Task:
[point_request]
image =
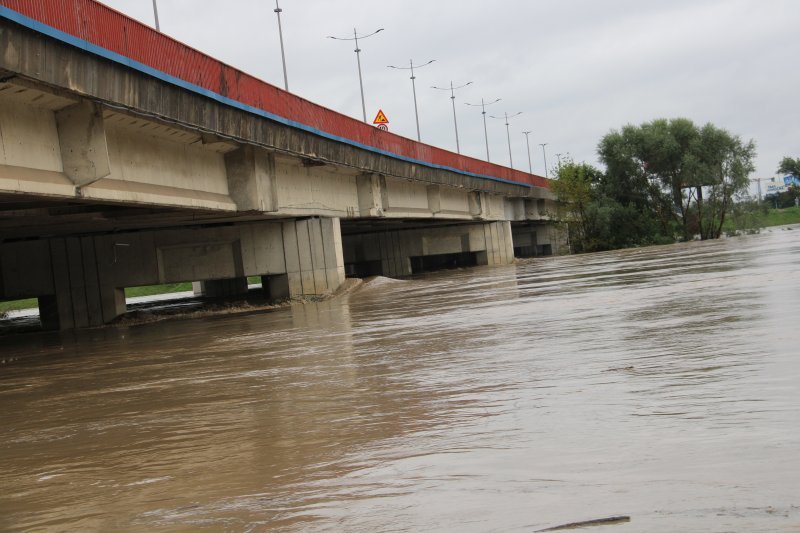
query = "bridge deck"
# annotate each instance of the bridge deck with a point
(105, 32)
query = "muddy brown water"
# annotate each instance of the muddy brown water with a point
(661, 384)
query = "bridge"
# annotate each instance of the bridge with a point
(128, 158)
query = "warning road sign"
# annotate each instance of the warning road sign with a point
(380, 118)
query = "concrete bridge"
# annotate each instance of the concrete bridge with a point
(128, 159)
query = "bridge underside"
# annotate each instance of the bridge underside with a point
(111, 179)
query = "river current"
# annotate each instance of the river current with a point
(660, 384)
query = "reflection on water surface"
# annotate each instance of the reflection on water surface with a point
(658, 383)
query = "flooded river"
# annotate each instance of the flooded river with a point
(661, 384)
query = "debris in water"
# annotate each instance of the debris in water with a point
(590, 523)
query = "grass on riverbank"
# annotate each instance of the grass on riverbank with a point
(782, 217)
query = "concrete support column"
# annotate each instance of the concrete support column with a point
(402, 253)
(498, 244)
(313, 253)
(540, 239)
(395, 253)
(80, 299)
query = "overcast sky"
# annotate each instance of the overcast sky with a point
(576, 69)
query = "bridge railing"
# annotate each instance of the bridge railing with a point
(102, 30)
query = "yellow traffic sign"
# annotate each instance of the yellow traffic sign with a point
(380, 118)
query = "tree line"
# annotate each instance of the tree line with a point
(664, 181)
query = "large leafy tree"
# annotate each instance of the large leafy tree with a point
(596, 220)
(790, 166)
(678, 171)
(575, 188)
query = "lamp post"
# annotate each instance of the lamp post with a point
(414, 87)
(453, 100)
(358, 60)
(483, 105)
(758, 180)
(280, 36)
(155, 14)
(528, 144)
(508, 134)
(544, 154)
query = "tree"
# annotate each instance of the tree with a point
(574, 188)
(790, 166)
(680, 172)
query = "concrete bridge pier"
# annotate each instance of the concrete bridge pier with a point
(402, 252)
(80, 281)
(81, 295)
(535, 239)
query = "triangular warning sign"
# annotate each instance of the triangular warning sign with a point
(380, 118)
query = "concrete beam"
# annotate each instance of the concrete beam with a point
(55, 64)
(371, 190)
(82, 139)
(251, 179)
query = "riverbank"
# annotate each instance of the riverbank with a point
(782, 217)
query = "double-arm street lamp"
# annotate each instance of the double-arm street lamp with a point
(544, 155)
(483, 105)
(528, 144)
(508, 134)
(358, 59)
(414, 87)
(280, 36)
(453, 100)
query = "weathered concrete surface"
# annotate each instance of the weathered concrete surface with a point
(54, 64)
(57, 148)
(393, 253)
(110, 178)
(80, 280)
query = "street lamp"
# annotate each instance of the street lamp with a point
(414, 87)
(155, 14)
(508, 134)
(280, 36)
(758, 180)
(528, 144)
(483, 105)
(358, 59)
(453, 100)
(544, 154)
